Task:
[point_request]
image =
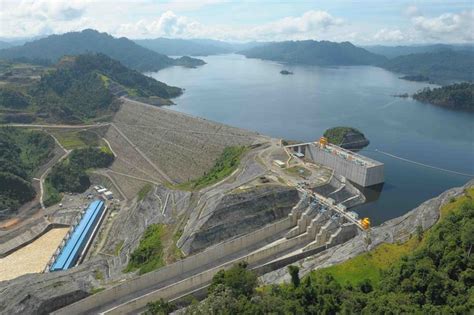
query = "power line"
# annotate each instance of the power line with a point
(424, 165)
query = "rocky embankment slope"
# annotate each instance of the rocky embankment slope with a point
(243, 212)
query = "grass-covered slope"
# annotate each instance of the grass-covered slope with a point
(21, 153)
(455, 96)
(227, 162)
(54, 47)
(82, 88)
(443, 66)
(323, 53)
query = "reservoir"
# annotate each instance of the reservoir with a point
(252, 94)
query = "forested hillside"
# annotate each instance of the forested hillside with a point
(395, 51)
(435, 278)
(21, 153)
(71, 176)
(82, 88)
(323, 53)
(446, 66)
(54, 47)
(455, 96)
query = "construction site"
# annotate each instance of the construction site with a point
(280, 205)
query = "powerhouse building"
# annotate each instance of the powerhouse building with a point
(79, 237)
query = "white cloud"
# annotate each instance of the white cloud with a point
(307, 25)
(152, 18)
(38, 17)
(412, 11)
(385, 35)
(311, 24)
(447, 26)
(189, 5)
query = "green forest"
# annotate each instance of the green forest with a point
(455, 96)
(443, 66)
(70, 175)
(322, 53)
(80, 88)
(51, 49)
(21, 153)
(337, 135)
(435, 278)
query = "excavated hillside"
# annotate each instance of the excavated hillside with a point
(243, 212)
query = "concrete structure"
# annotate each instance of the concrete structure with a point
(108, 195)
(279, 163)
(299, 155)
(355, 167)
(79, 238)
(312, 226)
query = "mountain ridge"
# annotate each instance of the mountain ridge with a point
(53, 47)
(310, 52)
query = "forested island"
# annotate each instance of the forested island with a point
(456, 96)
(346, 137)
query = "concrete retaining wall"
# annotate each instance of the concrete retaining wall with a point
(176, 269)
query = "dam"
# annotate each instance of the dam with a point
(355, 167)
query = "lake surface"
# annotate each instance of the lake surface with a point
(252, 94)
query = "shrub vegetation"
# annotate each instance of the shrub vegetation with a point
(227, 162)
(148, 256)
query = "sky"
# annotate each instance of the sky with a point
(364, 22)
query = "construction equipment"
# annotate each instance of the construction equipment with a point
(365, 223)
(323, 141)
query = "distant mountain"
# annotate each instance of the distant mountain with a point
(53, 47)
(231, 46)
(194, 47)
(323, 53)
(395, 51)
(83, 87)
(180, 47)
(5, 45)
(446, 66)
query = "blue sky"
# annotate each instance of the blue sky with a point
(362, 22)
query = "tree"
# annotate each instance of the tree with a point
(295, 277)
(160, 307)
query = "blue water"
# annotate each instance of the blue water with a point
(252, 94)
